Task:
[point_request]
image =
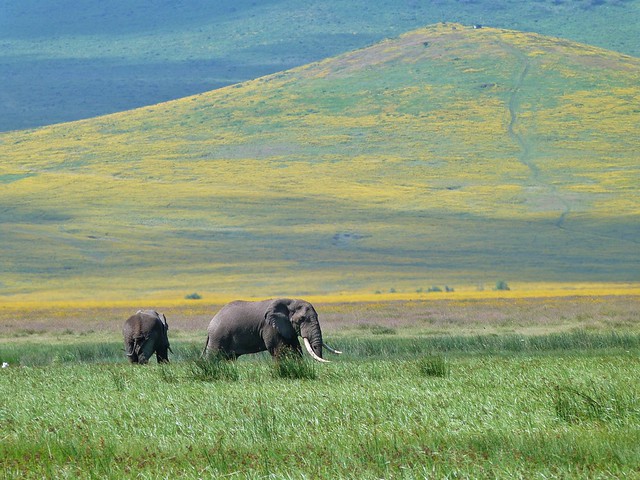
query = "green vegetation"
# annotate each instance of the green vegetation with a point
(565, 414)
(213, 368)
(389, 346)
(487, 154)
(433, 366)
(595, 401)
(506, 388)
(293, 367)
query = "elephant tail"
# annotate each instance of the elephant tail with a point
(206, 344)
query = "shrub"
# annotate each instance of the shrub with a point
(596, 402)
(377, 329)
(213, 367)
(193, 296)
(120, 380)
(573, 405)
(433, 366)
(291, 365)
(382, 330)
(502, 285)
(167, 375)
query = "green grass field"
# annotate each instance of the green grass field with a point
(528, 388)
(554, 415)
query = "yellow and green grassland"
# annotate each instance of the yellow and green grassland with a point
(448, 156)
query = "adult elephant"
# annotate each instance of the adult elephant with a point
(146, 333)
(274, 325)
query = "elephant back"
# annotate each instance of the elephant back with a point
(149, 313)
(142, 324)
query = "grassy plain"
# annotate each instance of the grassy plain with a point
(447, 156)
(493, 388)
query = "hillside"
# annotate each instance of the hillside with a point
(448, 155)
(61, 62)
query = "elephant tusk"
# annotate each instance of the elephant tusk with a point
(332, 350)
(311, 352)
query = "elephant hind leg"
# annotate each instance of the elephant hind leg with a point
(218, 350)
(145, 350)
(162, 356)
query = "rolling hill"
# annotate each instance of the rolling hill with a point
(62, 62)
(448, 155)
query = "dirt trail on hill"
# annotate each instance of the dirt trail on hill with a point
(525, 156)
(537, 177)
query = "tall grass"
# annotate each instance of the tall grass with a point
(293, 367)
(568, 341)
(491, 417)
(433, 366)
(372, 347)
(599, 401)
(36, 354)
(212, 368)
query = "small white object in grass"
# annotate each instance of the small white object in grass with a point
(5, 364)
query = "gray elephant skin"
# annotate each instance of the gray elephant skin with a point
(274, 325)
(146, 333)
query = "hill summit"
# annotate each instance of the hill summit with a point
(450, 154)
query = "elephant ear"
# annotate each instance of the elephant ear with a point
(277, 315)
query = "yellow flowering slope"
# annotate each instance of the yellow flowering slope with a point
(450, 157)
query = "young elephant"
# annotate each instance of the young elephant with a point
(249, 327)
(146, 333)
